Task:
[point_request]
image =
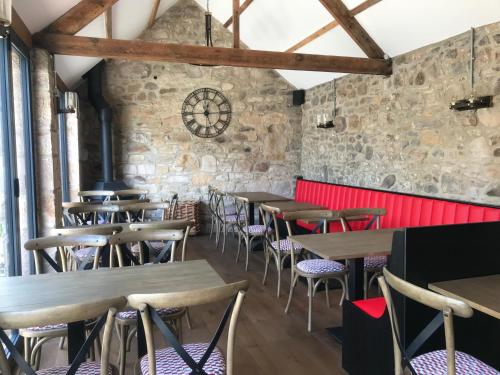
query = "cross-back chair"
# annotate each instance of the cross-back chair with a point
(96, 195)
(315, 271)
(103, 309)
(37, 335)
(439, 362)
(171, 212)
(277, 247)
(247, 233)
(212, 208)
(225, 216)
(127, 320)
(195, 358)
(370, 218)
(179, 224)
(135, 193)
(93, 214)
(79, 257)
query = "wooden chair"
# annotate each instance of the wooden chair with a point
(93, 214)
(127, 320)
(439, 362)
(372, 265)
(184, 225)
(226, 218)
(212, 208)
(37, 335)
(96, 195)
(135, 193)
(195, 358)
(88, 310)
(79, 257)
(246, 232)
(277, 247)
(315, 271)
(68, 220)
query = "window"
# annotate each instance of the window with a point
(17, 201)
(63, 150)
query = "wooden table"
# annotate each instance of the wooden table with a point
(350, 246)
(481, 293)
(253, 197)
(25, 293)
(292, 206)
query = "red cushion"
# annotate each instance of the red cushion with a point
(402, 210)
(375, 307)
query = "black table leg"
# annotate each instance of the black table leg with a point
(142, 348)
(355, 291)
(76, 339)
(251, 213)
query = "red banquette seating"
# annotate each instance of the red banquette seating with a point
(403, 210)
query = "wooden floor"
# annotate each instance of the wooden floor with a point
(268, 340)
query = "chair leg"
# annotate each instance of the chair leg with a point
(266, 255)
(278, 266)
(211, 226)
(310, 296)
(27, 350)
(224, 238)
(327, 293)
(61, 343)
(345, 291)
(248, 244)
(290, 295)
(239, 247)
(123, 348)
(188, 318)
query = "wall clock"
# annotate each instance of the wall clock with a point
(206, 113)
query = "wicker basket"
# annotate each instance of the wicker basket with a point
(190, 210)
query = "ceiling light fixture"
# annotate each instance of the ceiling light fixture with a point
(5, 16)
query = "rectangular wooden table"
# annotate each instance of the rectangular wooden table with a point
(253, 197)
(352, 247)
(25, 293)
(481, 293)
(292, 206)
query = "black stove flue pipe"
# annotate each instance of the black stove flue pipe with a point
(103, 109)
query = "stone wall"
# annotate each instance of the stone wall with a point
(48, 172)
(153, 149)
(398, 132)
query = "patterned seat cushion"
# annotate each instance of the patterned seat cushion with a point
(157, 247)
(48, 327)
(132, 314)
(86, 368)
(168, 361)
(256, 229)
(320, 266)
(286, 246)
(375, 262)
(233, 218)
(85, 253)
(434, 363)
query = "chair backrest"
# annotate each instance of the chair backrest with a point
(371, 215)
(241, 205)
(447, 306)
(142, 208)
(140, 193)
(184, 225)
(170, 236)
(147, 303)
(95, 195)
(102, 229)
(104, 308)
(321, 216)
(61, 242)
(125, 202)
(171, 213)
(91, 213)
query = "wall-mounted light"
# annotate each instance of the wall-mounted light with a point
(5, 16)
(70, 103)
(324, 121)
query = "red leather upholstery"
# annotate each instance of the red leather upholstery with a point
(375, 307)
(402, 210)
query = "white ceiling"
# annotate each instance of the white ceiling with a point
(398, 26)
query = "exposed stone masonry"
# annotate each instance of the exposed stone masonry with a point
(397, 132)
(153, 149)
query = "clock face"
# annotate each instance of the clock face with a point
(206, 113)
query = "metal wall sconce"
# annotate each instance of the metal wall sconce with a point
(70, 103)
(323, 122)
(473, 103)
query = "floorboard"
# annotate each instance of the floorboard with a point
(268, 340)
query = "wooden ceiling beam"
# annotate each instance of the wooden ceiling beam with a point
(21, 30)
(236, 23)
(154, 12)
(108, 23)
(79, 16)
(194, 54)
(332, 25)
(243, 7)
(351, 25)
